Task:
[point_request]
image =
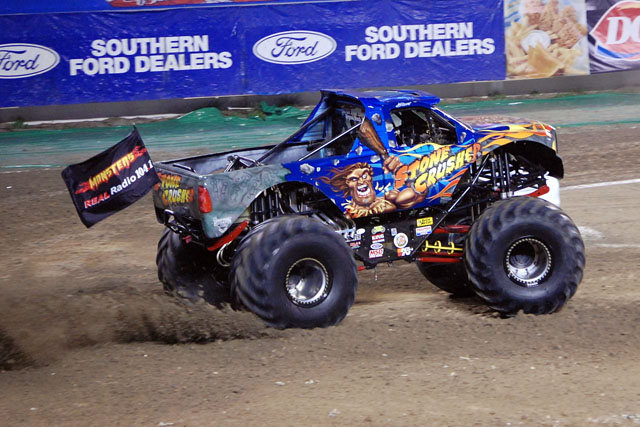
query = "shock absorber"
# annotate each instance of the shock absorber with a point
(507, 177)
(494, 182)
(501, 174)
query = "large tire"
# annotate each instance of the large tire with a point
(451, 278)
(294, 271)
(189, 271)
(524, 254)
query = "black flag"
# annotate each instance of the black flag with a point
(112, 180)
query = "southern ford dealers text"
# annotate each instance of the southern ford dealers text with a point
(151, 54)
(419, 41)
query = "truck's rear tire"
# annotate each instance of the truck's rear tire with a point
(189, 271)
(524, 254)
(294, 271)
(451, 278)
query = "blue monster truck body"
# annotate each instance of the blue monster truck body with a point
(390, 173)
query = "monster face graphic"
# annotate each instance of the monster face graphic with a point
(356, 181)
(360, 183)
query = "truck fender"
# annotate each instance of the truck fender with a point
(535, 152)
(232, 193)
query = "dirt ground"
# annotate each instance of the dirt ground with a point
(88, 338)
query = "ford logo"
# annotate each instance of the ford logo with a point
(294, 47)
(20, 60)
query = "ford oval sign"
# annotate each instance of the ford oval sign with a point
(294, 47)
(18, 60)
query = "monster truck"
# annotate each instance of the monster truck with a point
(370, 178)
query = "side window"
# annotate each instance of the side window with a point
(316, 132)
(345, 116)
(338, 116)
(413, 126)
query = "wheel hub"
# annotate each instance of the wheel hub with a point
(307, 282)
(528, 262)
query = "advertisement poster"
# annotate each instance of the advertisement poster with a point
(69, 58)
(546, 38)
(375, 44)
(614, 35)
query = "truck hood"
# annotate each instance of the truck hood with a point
(498, 123)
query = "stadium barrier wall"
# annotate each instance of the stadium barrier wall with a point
(115, 52)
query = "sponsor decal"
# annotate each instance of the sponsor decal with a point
(376, 253)
(354, 238)
(376, 246)
(423, 231)
(294, 47)
(421, 222)
(617, 33)
(20, 60)
(426, 171)
(404, 251)
(360, 231)
(170, 190)
(394, 231)
(350, 235)
(378, 229)
(377, 238)
(400, 240)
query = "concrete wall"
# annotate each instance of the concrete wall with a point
(597, 82)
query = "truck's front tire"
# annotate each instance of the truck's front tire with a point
(189, 271)
(524, 254)
(294, 271)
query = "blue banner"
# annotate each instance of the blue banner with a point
(41, 6)
(373, 44)
(87, 57)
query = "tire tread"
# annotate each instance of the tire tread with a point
(488, 228)
(249, 282)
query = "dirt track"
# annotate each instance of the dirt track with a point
(88, 338)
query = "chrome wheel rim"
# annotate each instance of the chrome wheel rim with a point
(307, 282)
(528, 262)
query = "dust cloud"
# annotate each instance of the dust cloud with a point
(37, 331)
